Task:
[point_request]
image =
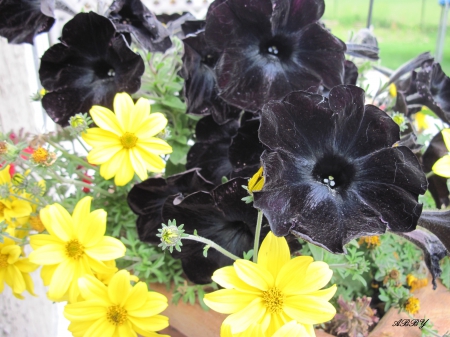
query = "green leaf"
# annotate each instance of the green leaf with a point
(179, 153)
(174, 102)
(445, 276)
(172, 168)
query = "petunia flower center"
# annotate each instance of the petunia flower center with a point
(116, 315)
(74, 249)
(273, 299)
(128, 140)
(103, 70)
(3, 261)
(209, 60)
(278, 46)
(334, 171)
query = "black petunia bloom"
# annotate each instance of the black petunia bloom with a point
(430, 87)
(269, 48)
(90, 65)
(131, 16)
(200, 81)
(332, 174)
(147, 199)
(437, 185)
(220, 216)
(22, 20)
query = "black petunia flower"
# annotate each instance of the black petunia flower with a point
(200, 81)
(147, 199)
(269, 48)
(90, 65)
(22, 20)
(220, 216)
(181, 24)
(332, 174)
(437, 185)
(131, 16)
(430, 87)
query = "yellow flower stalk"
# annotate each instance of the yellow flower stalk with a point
(75, 246)
(442, 166)
(116, 309)
(273, 291)
(125, 142)
(14, 269)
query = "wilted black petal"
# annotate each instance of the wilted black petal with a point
(437, 184)
(437, 222)
(22, 20)
(131, 16)
(181, 24)
(201, 96)
(89, 67)
(147, 198)
(350, 72)
(432, 248)
(364, 44)
(270, 48)
(332, 173)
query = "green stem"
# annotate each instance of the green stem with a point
(82, 144)
(212, 244)
(26, 199)
(429, 174)
(257, 235)
(343, 265)
(72, 157)
(79, 183)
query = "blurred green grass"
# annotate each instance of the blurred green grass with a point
(404, 28)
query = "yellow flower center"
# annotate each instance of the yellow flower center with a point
(40, 155)
(116, 315)
(128, 140)
(273, 300)
(412, 305)
(3, 261)
(74, 249)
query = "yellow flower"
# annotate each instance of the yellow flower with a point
(421, 121)
(273, 291)
(118, 309)
(412, 305)
(442, 166)
(256, 183)
(75, 246)
(371, 241)
(124, 142)
(393, 90)
(291, 329)
(415, 283)
(14, 269)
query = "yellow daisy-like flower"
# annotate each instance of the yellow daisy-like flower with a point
(74, 247)
(118, 310)
(256, 183)
(291, 329)
(124, 142)
(273, 291)
(412, 305)
(14, 269)
(442, 166)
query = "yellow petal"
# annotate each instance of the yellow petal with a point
(19, 208)
(57, 221)
(148, 309)
(5, 177)
(100, 267)
(81, 211)
(25, 266)
(317, 276)
(85, 310)
(125, 330)
(291, 273)
(101, 155)
(446, 136)
(273, 254)
(291, 329)
(125, 172)
(241, 320)
(140, 112)
(13, 253)
(14, 278)
(308, 309)
(61, 280)
(153, 162)
(92, 289)
(137, 297)
(92, 228)
(324, 294)
(123, 107)
(2, 279)
(138, 163)
(48, 254)
(47, 273)
(106, 119)
(110, 168)
(97, 137)
(40, 240)
(228, 278)
(119, 287)
(100, 328)
(149, 324)
(253, 274)
(29, 284)
(108, 248)
(442, 166)
(154, 145)
(152, 125)
(228, 301)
